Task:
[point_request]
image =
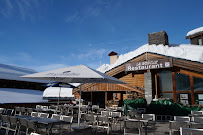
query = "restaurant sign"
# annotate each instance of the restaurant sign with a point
(150, 64)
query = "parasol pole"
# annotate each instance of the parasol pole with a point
(59, 94)
(79, 106)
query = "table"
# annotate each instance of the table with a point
(46, 121)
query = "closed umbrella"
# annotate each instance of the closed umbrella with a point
(59, 84)
(75, 74)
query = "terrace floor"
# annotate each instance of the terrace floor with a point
(161, 128)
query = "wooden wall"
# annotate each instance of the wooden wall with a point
(134, 79)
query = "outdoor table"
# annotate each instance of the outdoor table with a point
(144, 122)
(46, 121)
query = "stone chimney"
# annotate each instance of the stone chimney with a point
(113, 57)
(157, 38)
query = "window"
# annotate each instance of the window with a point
(182, 82)
(165, 81)
(200, 41)
(198, 83)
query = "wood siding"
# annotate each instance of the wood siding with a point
(134, 79)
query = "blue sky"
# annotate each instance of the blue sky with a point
(50, 34)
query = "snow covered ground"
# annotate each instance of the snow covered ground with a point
(11, 95)
(184, 51)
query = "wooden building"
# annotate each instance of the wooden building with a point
(154, 75)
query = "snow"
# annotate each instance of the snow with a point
(197, 30)
(54, 92)
(184, 51)
(11, 95)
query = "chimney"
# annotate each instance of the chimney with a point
(157, 38)
(113, 57)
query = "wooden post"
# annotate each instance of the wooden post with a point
(192, 90)
(156, 86)
(174, 87)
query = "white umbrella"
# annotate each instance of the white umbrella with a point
(75, 74)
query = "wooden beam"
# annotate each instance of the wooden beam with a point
(174, 87)
(156, 86)
(192, 90)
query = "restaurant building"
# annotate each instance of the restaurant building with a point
(155, 70)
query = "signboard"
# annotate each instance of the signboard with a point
(183, 96)
(151, 64)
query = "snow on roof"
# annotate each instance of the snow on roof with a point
(11, 95)
(11, 72)
(195, 31)
(54, 92)
(184, 51)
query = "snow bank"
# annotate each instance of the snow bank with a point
(11, 95)
(197, 30)
(54, 92)
(184, 51)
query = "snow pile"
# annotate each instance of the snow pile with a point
(184, 51)
(54, 92)
(11, 95)
(192, 32)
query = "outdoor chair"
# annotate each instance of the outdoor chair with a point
(68, 120)
(23, 126)
(197, 112)
(141, 110)
(190, 131)
(181, 118)
(116, 118)
(56, 116)
(151, 122)
(133, 114)
(197, 125)
(34, 134)
(43, 115)
(197, 119)
(83, 111)
(94, 108)
(90, 120)
(9, 112)
(132, 127)
(4, 123)
(33, 126)
(2, 110)
(174, 126)
(106, 113)
(13, 125)
(38, 106)
(17, 111)
(70, 110)
(103, 123)
(44, 107)
(35, 114)
(99, 110)
(29, 111)
(22, 111)
(110, 109)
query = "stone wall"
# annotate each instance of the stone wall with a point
(148, 87)
(158, 38)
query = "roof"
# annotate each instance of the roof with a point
(195, 32)
(182, 51)
(112, 53)
(11, 95)
(10, 72)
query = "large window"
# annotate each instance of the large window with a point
(198, 83)
(182, 82)
(165, 81)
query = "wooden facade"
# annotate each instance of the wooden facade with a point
(136, 79)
